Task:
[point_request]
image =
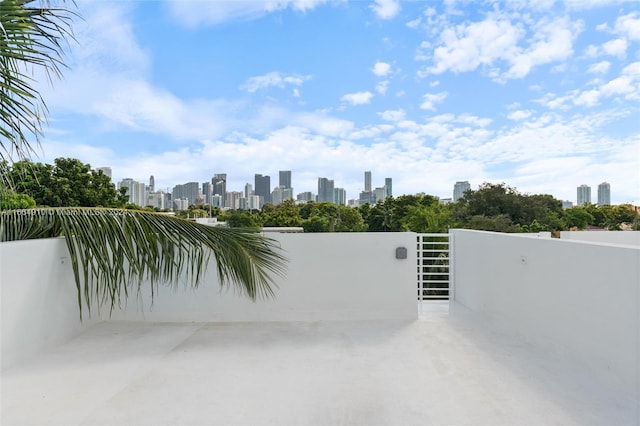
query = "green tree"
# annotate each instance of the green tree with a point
(284, 214)
(9, 200)
(578, 217)
(66, 183)
(112, 250)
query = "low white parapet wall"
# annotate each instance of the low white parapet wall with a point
(609, 237)
(336, 276)
(581, 300)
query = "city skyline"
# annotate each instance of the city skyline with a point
(540, 95)
(583, 194)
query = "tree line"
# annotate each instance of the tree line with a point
(492, 207)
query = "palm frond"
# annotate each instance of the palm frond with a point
(32, 37)
(114, 251)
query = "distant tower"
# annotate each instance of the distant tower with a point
(604, 194)
(105, 170)
(367, 181)
(152, 184)
(285, 178)
(262, 187)
(339, 196)
(584, 195)
(248, 190)
(388, 187)
(219, 182)
(459, 189)
(325, 190)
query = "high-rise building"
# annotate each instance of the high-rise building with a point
(325, 190)
(604, 194)
(137, 191)
(584, 195)
(303, 197)
(152, 184)
(157, 199)
(233, 199)
(367, 181)
(285, 179)
(566, 204)
(248, 190)
(219, 182)
(388, 187)
(106, 170)
(262, 185)
(207, 192)
(459, 189)
(339, 196)
(379, 194)
(188, 191)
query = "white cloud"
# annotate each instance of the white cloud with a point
(381, 69)
(392, 115)
(629, 25)
(195, 13)
(497, 40)
(275, 79)
(429, 100)
(382, 87)
(601, 67)
(617, 47)
(519, 115)
(386, 9)
(358, 98)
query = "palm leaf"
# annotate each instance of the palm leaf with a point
(114, 251)
(32, 37)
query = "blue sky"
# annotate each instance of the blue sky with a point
(541, 95)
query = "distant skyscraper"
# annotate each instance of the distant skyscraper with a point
(105, 170)
(604, 194)
(152, 184)
(219, 182)
(459, 189)
(285, 178)
(566, 204)
(188, 191)
(305, 196)
(388, 187)
(325, 190)
(207, 192)
(233, 199)
(263, 187)
(339, 196)
(248, 190)
(137, 191)
(584, 195)
(367, 181)
(379, 194)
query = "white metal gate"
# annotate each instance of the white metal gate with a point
(433, 267)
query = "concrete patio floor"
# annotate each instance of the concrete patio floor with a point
(448, 367)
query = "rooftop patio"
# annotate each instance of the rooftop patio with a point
(464, 362)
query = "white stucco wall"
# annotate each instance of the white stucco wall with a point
(610, 237)
(38, 297)
(330, 277)
(581, 300)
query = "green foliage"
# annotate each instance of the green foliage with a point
(284, 214)
(498, 207)
(9, 200)
(329, 217)
(32, 40)
(578, 217)
(113, 251)
(66, 183)
(241, 219)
